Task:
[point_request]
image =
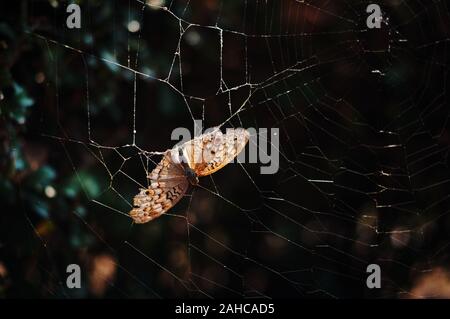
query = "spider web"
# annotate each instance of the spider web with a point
(363, 127)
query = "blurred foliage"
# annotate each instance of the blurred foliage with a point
(35, 193)
(46, 185)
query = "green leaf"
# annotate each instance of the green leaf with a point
(18, 159)
(92, 187)
(42, 177)
(24, 100)
(110, 61)
(83, 181)
(38, 205)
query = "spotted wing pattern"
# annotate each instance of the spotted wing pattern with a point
(167, 186)
(210, 152)
(168, 183)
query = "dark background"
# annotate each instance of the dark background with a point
(365, 110)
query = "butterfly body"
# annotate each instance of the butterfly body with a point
(182, 166)
(191, 176)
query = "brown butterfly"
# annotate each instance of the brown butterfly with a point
(182, 166)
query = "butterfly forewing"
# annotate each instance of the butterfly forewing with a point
(168, 181)
(210, 152)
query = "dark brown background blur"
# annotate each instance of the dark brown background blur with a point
(365, 109)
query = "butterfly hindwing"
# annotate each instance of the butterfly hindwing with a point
(168, 181)
(167, 186)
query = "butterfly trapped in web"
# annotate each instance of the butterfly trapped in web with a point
(181, 166)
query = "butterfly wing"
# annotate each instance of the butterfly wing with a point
(210, 152)
(167, 186)
(205, 154)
